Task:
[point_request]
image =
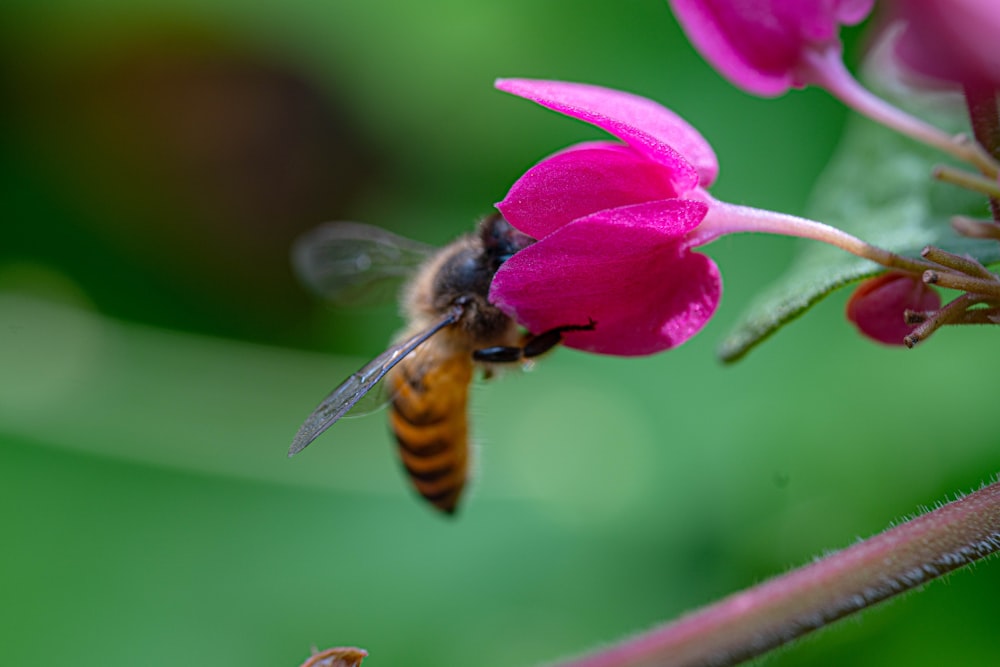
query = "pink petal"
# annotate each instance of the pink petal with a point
(653, 130)
(954, 40)
(876, 308)
(758, 44)
(623, 269)
(582, 180)
(852, 12)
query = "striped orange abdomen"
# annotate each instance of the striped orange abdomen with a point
(429, 418)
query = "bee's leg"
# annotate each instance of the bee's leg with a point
(532, 346)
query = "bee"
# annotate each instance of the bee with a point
(453, 329)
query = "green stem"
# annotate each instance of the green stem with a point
(752, 622)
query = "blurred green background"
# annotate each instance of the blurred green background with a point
(156, 356)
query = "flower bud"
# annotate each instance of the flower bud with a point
(878, 305)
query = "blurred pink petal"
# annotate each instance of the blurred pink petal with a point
(953, 40)
(579, 181)
(649, 128)
(760, 45)
(625, 269)
(877, 306)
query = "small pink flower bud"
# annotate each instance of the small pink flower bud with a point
(878, 305)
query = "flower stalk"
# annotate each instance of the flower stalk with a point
(724, 218)
(957, 262)
(964, 179)
(981, 286)
(965, 283)
(754, 621)
(977, 229)
(979, 316)
(826, 69)
(953, 313)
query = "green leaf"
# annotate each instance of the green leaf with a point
(878, 186)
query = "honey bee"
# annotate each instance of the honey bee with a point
(452, 330)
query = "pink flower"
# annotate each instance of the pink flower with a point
(878, 304)
(768, 46)
(954, 40)
(617, 223)
(613, 223)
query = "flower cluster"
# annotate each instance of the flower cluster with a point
(767, 47)
(618, 221)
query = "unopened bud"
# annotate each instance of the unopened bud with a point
(879, 305)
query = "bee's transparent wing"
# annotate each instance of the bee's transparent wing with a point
(349, 263)
(343, 398)
(371, 402)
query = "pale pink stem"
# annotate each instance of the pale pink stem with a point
(724, 218)
(754, 621)
(826, 68)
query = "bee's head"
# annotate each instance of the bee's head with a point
(500, 240)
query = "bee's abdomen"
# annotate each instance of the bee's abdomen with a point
(428, 417)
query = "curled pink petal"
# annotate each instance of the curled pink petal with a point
(624, 269)
(759, 44)
(877, 306)
(653, 130)
(579, 181)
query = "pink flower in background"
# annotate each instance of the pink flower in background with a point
(612, 226)
(768, 46)
(877, 306)
(954, 40)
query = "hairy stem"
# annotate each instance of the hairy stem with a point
(969, 181)
(958, 281)
(949, 314)
(752, 622)
(724, 218)
(826, 68)
(977, 229)
(959, 263)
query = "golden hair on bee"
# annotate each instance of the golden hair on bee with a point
(452, 328)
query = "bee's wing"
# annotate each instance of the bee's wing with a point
(353, 388)
(349, 263)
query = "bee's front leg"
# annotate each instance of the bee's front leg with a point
(532, 346)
